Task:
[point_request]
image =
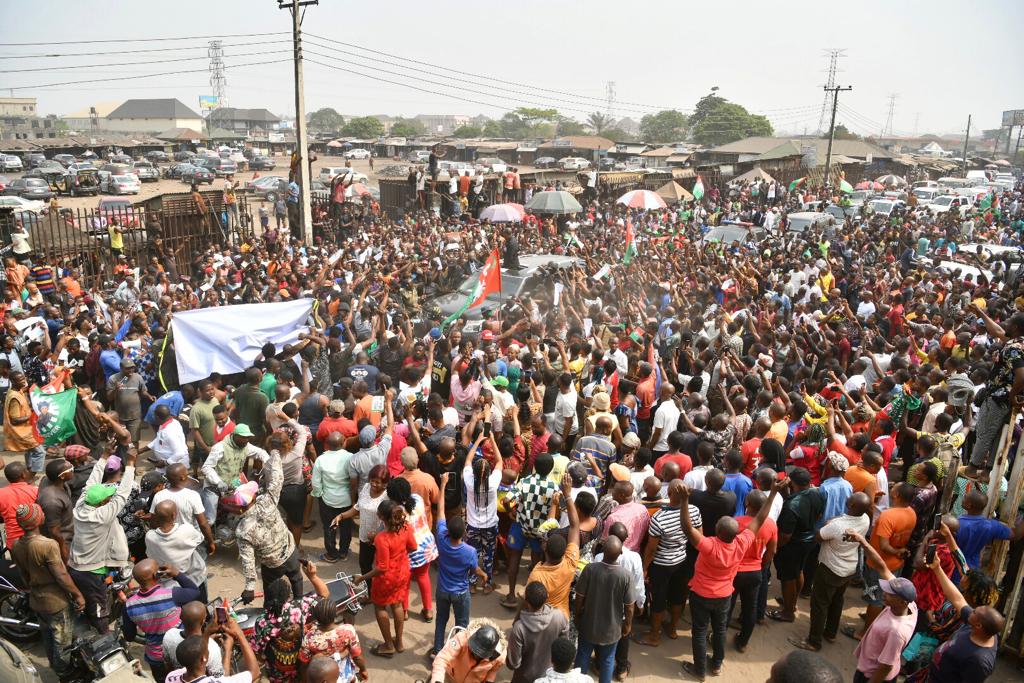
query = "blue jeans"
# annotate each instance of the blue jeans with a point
(456, 602)
(704, 613)
(605, 658)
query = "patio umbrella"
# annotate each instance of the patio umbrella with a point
(891, 180)
(557, 202)
(503, 213)
(641, 199)
(869, 185)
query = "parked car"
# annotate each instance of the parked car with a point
(727, 234)
(33, 159)
(840, 213)
(420, 156)
(82, 165)
(329, 173)
(357, 153)
(156, 156)
(120, 184)
(607, 164)
(802, 221)
(885, 207)
(491, 165)
(573, 163)
(926, 195)
(197, 174)
(146, 172)
(184, 155)
(523, 283)
(22, 204)
(122, 159)
(118, 169)
(267, 186)
(262, 163)
(81, 181)
(175, 170)
(4, 182)
(110, 208)
(544, 162)
(64, 159)
(222, 167)
(446, 168)
(9, 162)
(950, 202)
(30, 188)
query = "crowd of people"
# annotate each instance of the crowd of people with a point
(760, 431)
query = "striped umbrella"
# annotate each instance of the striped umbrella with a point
(891, 180)
(641, 199)
(503, 213)
(870, 185)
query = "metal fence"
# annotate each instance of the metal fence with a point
(175, 225)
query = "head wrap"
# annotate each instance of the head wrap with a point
(29, 515)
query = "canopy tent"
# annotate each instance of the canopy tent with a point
(672, 192)
(557, 202)
(754, 174)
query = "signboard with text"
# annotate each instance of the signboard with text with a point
(209, 101)
(1013, 117)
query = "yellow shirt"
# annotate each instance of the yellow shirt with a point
(116, 238)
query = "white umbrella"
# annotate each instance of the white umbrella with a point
(503, 213)
(641, 199)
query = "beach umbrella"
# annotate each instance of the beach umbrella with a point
(556, 202)
(870, 185)
(641, 199)
(503, 213)
(891, 180)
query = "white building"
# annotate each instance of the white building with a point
(151, 116)
(90, 118)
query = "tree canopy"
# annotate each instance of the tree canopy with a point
(364, 127)
(717, 121)
(325, 119)
(665, 126)
(407, 128)
(468, 131)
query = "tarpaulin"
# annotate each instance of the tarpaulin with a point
(227, 339)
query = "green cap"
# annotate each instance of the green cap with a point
(242, 429)
(98, 494)
(500, 381)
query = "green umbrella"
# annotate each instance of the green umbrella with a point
(553, 202)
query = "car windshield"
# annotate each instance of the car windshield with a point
(116, 205)
(944, 201)
(511, 285)
(35, 182)
(881, 205)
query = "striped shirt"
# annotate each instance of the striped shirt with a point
(666, 525)
(158, 610)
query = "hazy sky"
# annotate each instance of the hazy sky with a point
(944, 59)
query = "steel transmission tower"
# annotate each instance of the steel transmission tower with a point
(888, 119)
(826, 105)
(610, 93)
(218, 81)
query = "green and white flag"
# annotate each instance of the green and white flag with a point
(631, 250)
(55, 414)
(698, 189)
(845, 186)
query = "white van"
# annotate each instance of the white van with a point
(802, 221)
(329, 173)
(955, 183)
(926, 195)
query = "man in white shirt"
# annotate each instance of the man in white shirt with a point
(169, 445)
(566, 420)
(666, 420)
(618, 355)
(866, 308)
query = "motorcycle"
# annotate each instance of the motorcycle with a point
(18, 623)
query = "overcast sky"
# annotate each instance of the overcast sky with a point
(944, 59)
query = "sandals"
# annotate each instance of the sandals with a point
(329, 559)
(803, 644)
(849, 631)
(510, 602)
(376, 652)
(427, 616)
(779, 615)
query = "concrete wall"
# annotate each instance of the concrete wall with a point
(149, 125)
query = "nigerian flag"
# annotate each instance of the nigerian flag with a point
(797, 183)
(986, 203)
(698, 189)
(631, 250)
(845, 186)
(55, 414)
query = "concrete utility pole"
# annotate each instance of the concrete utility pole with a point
(967, 138)
(302, 147)
(832, 130)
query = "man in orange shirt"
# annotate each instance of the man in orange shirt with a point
(780, 428)
(863, 475)
(421, 483)
(890, 538)
(561, 555)
(18, 491)
(645, 398)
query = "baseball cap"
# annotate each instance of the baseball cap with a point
(242, 429)
(336, 406)
(487, 335)
(99, 493)
(900, 587)
(367, 435)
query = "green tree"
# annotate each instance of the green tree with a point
(468, 131)
(492, 129)
(325, 119)
(842, 133)
(716, 121)
(617, 135)
(407, 128)
(569, 127)
(531, 116)
(514, 126)
(665, 126)
(598, 122)
(364, 127)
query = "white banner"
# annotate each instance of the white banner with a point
(227, 339)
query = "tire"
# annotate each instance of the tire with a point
(15, 606)
(271, 197)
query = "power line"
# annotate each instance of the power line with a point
(128, 78)
(144, 40)
(51, 55)
(152, 61)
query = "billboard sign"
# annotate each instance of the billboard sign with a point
(1013, 117)
(209, 102)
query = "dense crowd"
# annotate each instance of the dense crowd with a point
(732, 427)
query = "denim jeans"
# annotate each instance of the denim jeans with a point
(747, 585)
(210, 498)
(704, 612)
(456, 602)
(762, 592)
(605, 658)
(58, 634)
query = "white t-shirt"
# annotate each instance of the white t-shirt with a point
(855, 383)
(215, 660)
(188, 501)
(178, 676)
(694, 479)
(667, 418)
(838, 555)
(565, 407)
(865, 309)
(485, 517)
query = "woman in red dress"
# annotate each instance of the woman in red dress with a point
(391, 574)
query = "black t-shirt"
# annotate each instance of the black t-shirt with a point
(713, 507)
(960, 659)
(799, 514)
(366, 373)
(390, 360)
(441, 377)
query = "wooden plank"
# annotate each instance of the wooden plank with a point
(999, 466)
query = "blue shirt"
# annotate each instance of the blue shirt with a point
(455, 562)
(836, 492)
(174, 402)
(741, 485)
(975, 533)
(110, 362)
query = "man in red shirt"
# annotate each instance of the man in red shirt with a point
(711, 587)
(645, 398)
(17, 492)
(751, 448)
(676, 440)
(751, 572)
(336, 422)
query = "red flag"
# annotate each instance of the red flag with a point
(490, 279)
(255, 174)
